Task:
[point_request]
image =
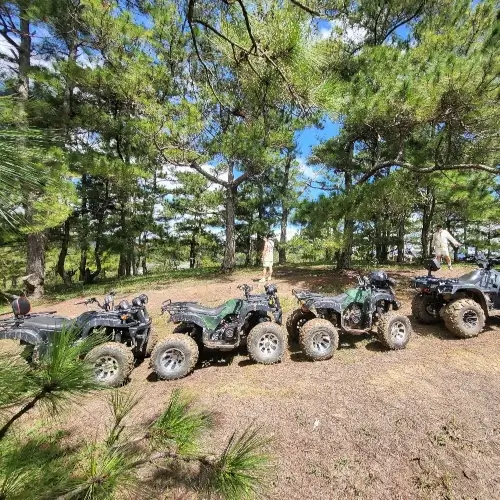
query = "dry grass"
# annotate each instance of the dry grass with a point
(423, 423)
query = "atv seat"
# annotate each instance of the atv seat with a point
(48, 323)
(205, 311)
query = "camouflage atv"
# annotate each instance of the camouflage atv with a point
(463, 303)
(254, 320)
(356, 311)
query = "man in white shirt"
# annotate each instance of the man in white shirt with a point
(440, 244)
(268, 257)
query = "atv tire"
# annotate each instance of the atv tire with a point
(421, 309)
(112, 363)
(266, 343)
(394, 330)
(319, 339)
(152, 341)
(464, 318)
(295, 322)
(174, 357)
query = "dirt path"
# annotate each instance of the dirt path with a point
(423, 423)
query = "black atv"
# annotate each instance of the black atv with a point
(463, 303)
(356, 311)
(225, 328)
(128, 328)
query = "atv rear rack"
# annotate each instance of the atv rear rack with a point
(304, 294)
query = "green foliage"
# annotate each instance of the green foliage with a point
(105, 468)
(33, 458)
(242, 469)
(180, 425)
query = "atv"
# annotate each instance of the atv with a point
(128, 328)
(226, 327)
(356, 311)
(463, 303)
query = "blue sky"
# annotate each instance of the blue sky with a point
(308, 138)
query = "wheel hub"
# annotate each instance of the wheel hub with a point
(321, 342)
(470, 319)
(268, 343)
(173, 359)
(105, 368)
(398, 330)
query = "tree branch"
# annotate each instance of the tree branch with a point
(194, 165)
(427, 170)
(404, 21)
(242, 178)
(198, 55)
(247, 23)
(306, 8)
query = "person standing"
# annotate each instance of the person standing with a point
(268, 258)
(440, 241)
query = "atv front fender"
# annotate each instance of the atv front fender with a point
(388, 297)
(24, 334)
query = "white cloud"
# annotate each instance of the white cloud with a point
(5, 49)
(341, 27)
(291, 231)
(325, 31)
(307, 172)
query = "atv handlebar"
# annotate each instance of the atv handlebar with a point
(87, 301)
(245, 288)
(164, 305)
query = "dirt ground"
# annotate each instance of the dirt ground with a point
(422, 423)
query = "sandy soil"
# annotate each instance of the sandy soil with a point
(422, 423)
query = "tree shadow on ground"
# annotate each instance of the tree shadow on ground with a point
(179, 479)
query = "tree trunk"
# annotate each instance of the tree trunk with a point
(35, 265)
(344, 256)
(122, 265)
(401, 240)
(24, 66)
(285, 211)
(230, 247)
(248, 258)
(489, 241)
(466, 248)
(83, 264)
(65, 275)
(35, 257)
(427, 216)
(192, 251)
(124, 262)
(144, 266)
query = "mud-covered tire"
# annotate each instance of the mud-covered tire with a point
(464, 318)
(151, 344)
(112, 363)
(319, 339)
(295, 322)
(421, 307)
(174, 357)
(394, 330)
(266, 343)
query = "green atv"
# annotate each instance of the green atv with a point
(356, 311)
(254, 320)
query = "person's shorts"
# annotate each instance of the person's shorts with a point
(442, 252)
(268, 263)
